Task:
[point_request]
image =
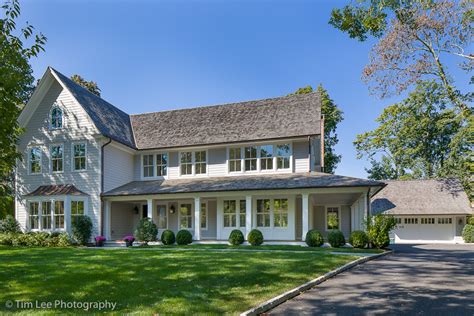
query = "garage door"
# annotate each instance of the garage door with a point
(424, 230)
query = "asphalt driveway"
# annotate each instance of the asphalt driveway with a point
(415, 280)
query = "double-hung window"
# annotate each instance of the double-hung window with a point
(162, 216)
(57, 158)
(200, 161)
(263, 213)
(59, 214)
(242, 211)
(235, 159)
(280, 213)
(148, 166)
(266, 157)
(185, 216)
(203, 216)
(79, 157)
(35, 160)
(77, 209)
(230, 213)
(161, 164)
(283, 153)
(34, 215)
(186, 160)
(56, 120)
(332, 218)
(46, 213)
(250, 158)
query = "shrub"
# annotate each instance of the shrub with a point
(255, 237)
(378, 229)
(471, 221)
(336, 238)
(6, 239)
(468, 233)
(9, 225)
(146, 231)
(35, 239)
(358, 239)
(236, 237)
(314, 238)
(184, 237)
(167, 237)
(82, 229)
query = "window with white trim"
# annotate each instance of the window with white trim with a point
(161, 164)
(35, 160)
(266, 157)
(148, 166)
(411, 220)
(57, 158)
(34, 215)
(77, 209)
(332, 218)
(230, 213)
(235, 159)
(429, 220)
(46, 214)
(200, 159)
(186, 162)
(250, 158)
(56, 119)
(203, 216)
(263, 213)
(58, 214)
(242, 212)
(185, 216)
(162, 218)
(280, 212)
(445, 220)
(283, 154)
(79, 157)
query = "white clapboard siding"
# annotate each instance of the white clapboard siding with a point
(118, 167)
(301, 156)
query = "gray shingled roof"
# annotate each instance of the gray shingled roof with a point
(283, 117)
(109, 120)
(261, 182)
(420, 197)
(59, 189)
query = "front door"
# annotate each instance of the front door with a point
(459, 225)
(144, 211)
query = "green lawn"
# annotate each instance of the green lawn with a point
(156, 281)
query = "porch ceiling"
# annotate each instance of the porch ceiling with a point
(335, 198)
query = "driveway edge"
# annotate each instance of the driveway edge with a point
(273, 302)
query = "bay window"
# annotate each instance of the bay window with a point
(46, 214)
(77, 209)
(263, 213)
(59, 214)
(34, 215)
(57, 158)
(79, 157)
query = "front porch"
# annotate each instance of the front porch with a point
(281, 215)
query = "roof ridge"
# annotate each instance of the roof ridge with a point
(231, 103)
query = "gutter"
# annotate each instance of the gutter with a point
(102, 185)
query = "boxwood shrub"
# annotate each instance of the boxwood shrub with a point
(336, 238)
(255, 237)
(184, 237)
(236, 237)
(167, 237)
(358, 239)
(314, 238)
(468, 233)
(146, 230)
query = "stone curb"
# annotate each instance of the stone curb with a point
(273, 302)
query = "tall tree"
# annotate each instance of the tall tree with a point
(420, 137)
(414, 37)
(332, 117)
(16, 84)
(89, 85)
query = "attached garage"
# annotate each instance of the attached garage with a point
(427, 211)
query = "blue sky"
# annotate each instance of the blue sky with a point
(155, 55)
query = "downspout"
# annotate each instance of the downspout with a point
(102, 185)
(368, 203)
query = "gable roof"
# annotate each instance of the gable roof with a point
(261, 182)
(60, 189)
(109, 120)
(422, 197)
(267, 119)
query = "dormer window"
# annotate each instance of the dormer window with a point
(56, 117)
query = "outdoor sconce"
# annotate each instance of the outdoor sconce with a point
(172, 209)
(135, 209)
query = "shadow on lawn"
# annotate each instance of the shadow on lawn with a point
(165, 282)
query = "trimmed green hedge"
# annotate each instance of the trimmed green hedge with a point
(255, 237)
(358, 239)
(236, 237)
(35, 239)
(184, 237)
(336, 238)
(167, 237)
(468, 233)
(314, 238)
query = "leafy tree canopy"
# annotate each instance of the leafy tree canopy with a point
(89, 85)
(332, 117)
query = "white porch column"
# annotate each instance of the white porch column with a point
(197, 218)
(67, 214)
(107, 219)
(305, 214)
(248, 215)
(151, 211)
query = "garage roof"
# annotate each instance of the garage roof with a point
(422, 197)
